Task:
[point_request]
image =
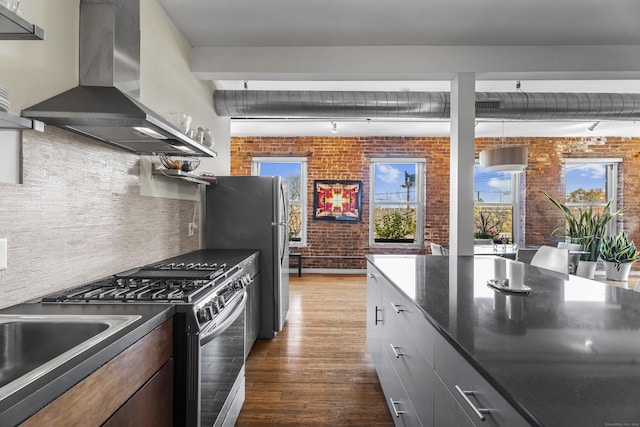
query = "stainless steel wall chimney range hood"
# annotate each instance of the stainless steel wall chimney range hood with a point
(105, 106)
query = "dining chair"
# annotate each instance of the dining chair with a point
(574, 255)
(550, 258)
(436, 249)
(525, 254)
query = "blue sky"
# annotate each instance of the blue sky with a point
(493, 186)
(282, 169)
(389, 178)
(585, 176)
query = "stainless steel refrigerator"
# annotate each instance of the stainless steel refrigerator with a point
(250, 212)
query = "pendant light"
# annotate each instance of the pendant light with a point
(504, 159)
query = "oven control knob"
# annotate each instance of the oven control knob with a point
(204, 315)
(218, 303)
(213, 307)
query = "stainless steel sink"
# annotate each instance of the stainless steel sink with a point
(33, 345)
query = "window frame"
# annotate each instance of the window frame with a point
(420, 202)
(255, 170)
(516, 198)
(611, 185)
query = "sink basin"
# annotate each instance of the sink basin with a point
(33, 345)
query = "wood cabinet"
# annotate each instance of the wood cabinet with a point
(424, 378)
(151, 406)
(135, 381)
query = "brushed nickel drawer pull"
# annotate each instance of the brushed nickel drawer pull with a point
(395, 408)
(396, 352)
(397, 308)
(376, 315)
(478, 411)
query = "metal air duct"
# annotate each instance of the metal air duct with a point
(550, 106)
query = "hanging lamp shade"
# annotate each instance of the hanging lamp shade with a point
(504, 159)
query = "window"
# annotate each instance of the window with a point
(592, 182)
(397, 201)
(294, 171)
(495, 204)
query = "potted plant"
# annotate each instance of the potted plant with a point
(618, 254)
(586, 228)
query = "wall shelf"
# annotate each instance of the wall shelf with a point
(13, 27)
(185, 176)
(10, 121)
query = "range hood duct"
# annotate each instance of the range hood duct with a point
(253, 104)
(105, 106)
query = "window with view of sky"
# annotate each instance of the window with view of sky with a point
(397, 206)
(586, 183)
(492, 187)
(391, 182)
(294, 172)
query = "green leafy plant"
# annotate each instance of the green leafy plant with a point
(585, 227)
(619, 250)
(397, 224)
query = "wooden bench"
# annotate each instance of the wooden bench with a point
(298, 264)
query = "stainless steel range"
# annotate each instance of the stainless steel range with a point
(209, 291)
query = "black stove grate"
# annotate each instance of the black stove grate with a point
(135, 290)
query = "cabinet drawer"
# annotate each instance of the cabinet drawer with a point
(410, 319)
(415, 374)
(448, 413)
(402, 411)
(455, 371)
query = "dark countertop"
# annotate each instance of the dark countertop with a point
(566, 355)
(23, 403)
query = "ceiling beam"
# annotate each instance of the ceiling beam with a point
(416, 62)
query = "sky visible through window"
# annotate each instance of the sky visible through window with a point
(491, 187)
(586, 176)
(390, 179)
(279, 169)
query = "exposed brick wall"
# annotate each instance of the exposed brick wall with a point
(348, 158)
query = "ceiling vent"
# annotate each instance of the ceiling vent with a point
(549, 106)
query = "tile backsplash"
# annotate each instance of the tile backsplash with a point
(79, 216)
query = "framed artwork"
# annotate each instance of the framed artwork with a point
(337, 200)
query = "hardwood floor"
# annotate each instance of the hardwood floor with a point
(317, 371)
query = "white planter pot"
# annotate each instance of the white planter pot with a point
(483, 241)
(620, 274)
(586, 269)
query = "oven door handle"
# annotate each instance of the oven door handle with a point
(226, 322)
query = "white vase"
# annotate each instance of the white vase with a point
(620, 273)
(586, 269)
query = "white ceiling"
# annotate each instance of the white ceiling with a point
(330, 23)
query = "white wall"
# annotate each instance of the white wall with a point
(167, 84)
